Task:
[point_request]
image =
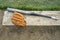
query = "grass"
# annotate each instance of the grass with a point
(31, 4)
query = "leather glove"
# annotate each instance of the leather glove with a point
(18, 19)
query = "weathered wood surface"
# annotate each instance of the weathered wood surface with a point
(34, 20)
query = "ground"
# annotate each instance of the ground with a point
(28, 33)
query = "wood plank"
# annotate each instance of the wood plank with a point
(34, 20)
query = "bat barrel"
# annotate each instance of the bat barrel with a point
(21, 11)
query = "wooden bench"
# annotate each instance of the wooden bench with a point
(34, 20)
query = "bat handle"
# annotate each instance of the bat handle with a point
(51, 17)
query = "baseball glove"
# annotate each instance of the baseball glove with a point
(18, 19)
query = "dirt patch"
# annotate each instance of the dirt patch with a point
(28, 33)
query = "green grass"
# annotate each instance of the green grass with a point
(31, 4)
